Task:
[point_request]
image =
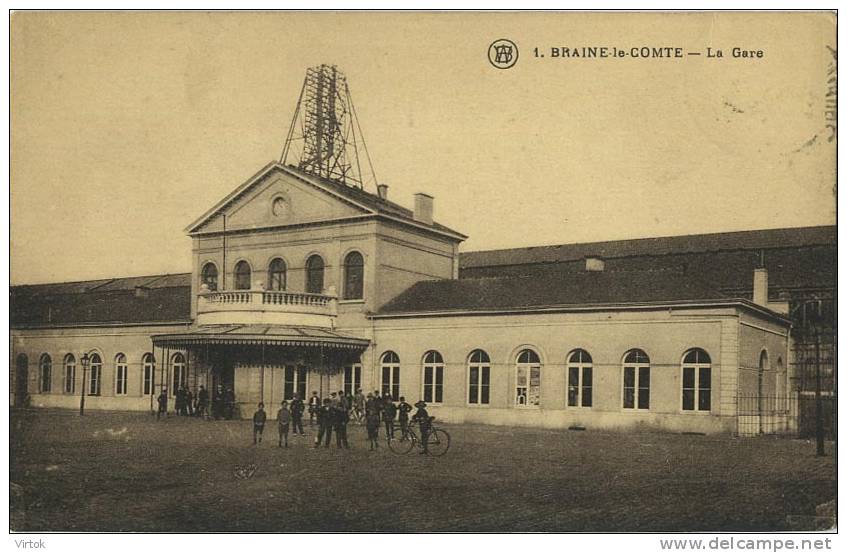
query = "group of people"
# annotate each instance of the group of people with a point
(188, 404)
(335, 412)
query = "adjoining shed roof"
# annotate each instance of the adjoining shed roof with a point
(550, 289)
(696, 243)
(161, 298)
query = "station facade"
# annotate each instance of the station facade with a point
(302, 284)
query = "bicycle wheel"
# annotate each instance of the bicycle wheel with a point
(401, 446)
(438, 442)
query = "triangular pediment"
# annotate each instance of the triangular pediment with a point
(277, 197)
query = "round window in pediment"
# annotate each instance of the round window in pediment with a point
(279, 207)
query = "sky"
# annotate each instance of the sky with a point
(126, 127)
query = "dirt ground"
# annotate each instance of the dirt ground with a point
(128, 472)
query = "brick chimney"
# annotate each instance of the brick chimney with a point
(760, 287)
(382, 191)
(423, 208)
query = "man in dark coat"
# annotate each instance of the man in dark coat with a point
(202, 402)
(297, 408)
(341, 418)
(325, 422)
(423, 419)
(389, 411)
(163, 404)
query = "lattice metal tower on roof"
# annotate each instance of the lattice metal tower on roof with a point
(325, 137)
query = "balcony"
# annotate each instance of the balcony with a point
(265, 307)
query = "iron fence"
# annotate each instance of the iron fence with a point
(792, 414)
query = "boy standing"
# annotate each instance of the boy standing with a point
(283, 417)
(404, 409)
(259, 418)
(372, 422)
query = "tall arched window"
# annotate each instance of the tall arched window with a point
(636, 380)
(528, 379)
(354, 276)
(69, 372)
(315, 275)
(276, 275)
(479, 377)
(209, 276)
(433, 377)
(696, 381)
(242, 275)
(45, 373)
(120, 374)
(390, 364)
(580, 379)
(148, 363)
(180, 376)
(94, 373)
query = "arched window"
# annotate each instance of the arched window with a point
(636, 380)
(148, 362)
(69, 372)
(45, 373)
(179, 373)
(696, 381)
(528, 379)
(209, 276)
(276, 275)
(94, 374)
(242, 275)
(479, 377)
(580, 379)
(433, 377)
(390, 364)
(120, 374)
(315, 275)
(354, 276)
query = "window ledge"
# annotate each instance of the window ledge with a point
(347, 302)
(478, 405)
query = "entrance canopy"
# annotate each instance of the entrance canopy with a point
(269, 335)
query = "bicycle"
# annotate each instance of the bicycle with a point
(438, 441)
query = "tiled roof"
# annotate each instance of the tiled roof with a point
(697, 243)
(132, 300)
(549, 289)
(372, 201)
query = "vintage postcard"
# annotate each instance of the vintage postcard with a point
(413, 272)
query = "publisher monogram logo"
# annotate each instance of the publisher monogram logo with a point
(503, 53)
